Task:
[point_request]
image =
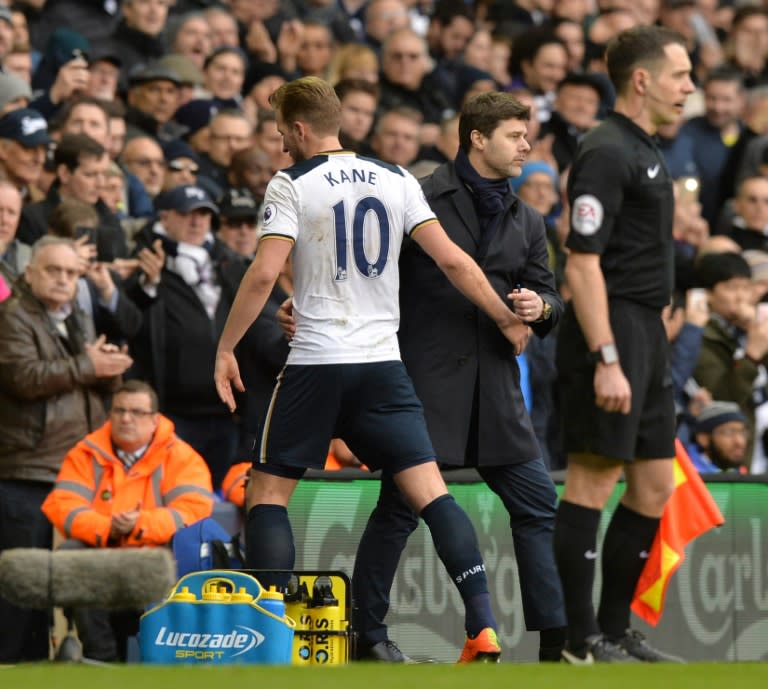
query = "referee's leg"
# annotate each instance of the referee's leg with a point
(589, 482)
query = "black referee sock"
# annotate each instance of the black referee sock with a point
(625, 550)
(269, 543)
(456, 544)
(575, 544)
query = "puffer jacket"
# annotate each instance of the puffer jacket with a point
(50, 396)
(170, 484)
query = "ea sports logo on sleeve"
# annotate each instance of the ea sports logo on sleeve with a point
(587, 215)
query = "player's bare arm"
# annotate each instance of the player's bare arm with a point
(470, 280)
(251, 297)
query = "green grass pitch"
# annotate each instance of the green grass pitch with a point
(376, 676)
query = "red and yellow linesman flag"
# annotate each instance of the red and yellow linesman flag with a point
(690, 512)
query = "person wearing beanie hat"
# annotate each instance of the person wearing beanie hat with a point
(721, 438)
(732, 360)
(194, 117)
(181, 164)
(14, 93)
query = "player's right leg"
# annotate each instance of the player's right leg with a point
(297, 431)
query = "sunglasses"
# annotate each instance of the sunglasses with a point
(178, 166)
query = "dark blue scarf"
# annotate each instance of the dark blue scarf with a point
(488, 195)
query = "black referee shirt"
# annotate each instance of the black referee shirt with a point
(622, 208)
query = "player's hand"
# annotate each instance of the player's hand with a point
(517, 333)
(285, 318)
(226, 373)
(612, 390)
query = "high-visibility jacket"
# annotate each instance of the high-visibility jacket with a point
(170, 486)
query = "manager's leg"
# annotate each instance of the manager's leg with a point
(528, 494)
(378, 554)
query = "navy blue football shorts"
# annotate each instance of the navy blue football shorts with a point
(648, 431)
(372, 407)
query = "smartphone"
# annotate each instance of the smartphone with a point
(698, 296)
(90, 232)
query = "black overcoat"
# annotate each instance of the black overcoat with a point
(450, 347)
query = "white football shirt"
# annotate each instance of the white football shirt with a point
(347, 216)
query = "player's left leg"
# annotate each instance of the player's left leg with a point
(457, 547)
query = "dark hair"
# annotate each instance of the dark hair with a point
(446, 10)
(727, 73)
(485, 112)
(132, 387)
(346, 86)
(639, 46)
(74, 147)
(312, 100)
(746, 12)
(527, 46)
(712, 269)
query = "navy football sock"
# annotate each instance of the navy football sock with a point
(456, 544)
(625, 550)
(269, 543)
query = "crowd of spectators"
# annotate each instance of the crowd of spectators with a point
(143, 132)
(141, 137)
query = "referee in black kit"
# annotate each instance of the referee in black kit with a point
(612, 348)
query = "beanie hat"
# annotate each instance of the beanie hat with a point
(531, 168)
(712, 269)
(716, 414)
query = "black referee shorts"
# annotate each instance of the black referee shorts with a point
(648, 431)
(372, 407)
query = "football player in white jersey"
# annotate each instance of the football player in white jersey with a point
(345, 217)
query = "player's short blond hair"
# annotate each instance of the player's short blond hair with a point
(310, 100)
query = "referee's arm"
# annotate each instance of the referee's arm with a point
(590, 302)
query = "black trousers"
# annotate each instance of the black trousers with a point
(529, 497)
(24, 634)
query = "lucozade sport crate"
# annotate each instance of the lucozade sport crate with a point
(217, 617)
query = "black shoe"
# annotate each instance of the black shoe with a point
(70, 650)
(386, 652)
(634, 643)
(598, 650)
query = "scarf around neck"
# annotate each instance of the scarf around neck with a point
(489, 194)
